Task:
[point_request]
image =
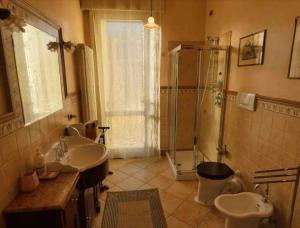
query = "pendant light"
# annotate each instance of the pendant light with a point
(151, 22)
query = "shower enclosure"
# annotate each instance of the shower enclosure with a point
(197, 84)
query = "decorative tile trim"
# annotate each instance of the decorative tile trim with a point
(231, 97)
(180, 91)
(278, 108)
(183, 90)
(164, 91)
(273, 105)
(9, 125)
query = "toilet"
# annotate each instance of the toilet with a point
(213, 177)
(244, 209)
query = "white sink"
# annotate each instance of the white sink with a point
(86, 156)
(82, 154)
(73, 141)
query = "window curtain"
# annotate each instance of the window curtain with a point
(128, 70)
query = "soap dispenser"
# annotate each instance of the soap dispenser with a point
(40, 164)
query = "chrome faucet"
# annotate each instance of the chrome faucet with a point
(264, 192)
(63, 145)
(61, 149)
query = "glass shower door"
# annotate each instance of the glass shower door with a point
(211, 104)
(187, 80)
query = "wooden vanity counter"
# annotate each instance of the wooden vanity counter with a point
(53, 204)
(50, 194)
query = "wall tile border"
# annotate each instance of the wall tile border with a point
(282, 106)
(180, 90)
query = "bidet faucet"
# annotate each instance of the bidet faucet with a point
(263, 192)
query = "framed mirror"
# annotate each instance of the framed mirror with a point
(294, 67)
(39, 65)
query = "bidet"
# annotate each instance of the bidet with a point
(244, 209)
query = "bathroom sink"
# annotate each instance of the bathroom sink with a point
(82, 154)
(73, 141)
(86, 156)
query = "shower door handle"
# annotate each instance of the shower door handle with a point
(195, 140)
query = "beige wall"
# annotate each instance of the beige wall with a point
(246, 17)
(265, 138)
(18, 148)
(67, 14)
(181, 21)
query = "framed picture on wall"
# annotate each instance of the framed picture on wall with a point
(294, 68)
(251, 49)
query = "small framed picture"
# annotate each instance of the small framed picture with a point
(251, 49)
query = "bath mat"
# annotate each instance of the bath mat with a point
(133, 209)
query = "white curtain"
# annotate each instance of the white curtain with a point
(128, 66)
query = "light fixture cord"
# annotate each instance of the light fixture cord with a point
(151, 8)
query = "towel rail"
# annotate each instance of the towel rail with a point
(275, 170)
(275, 176)
(273, 182)
(269, 179)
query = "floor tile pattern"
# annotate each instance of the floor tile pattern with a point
(177, 197)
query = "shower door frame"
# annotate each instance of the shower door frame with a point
(172, 148)
(197, 109)
(191, 174)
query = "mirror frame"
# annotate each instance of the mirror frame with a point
(35, 18)
(11, 121)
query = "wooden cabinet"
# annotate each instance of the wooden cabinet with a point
(71, 215)
(53, 205)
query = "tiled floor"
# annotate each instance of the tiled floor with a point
(177, 197)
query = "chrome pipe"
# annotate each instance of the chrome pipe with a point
(295, 191)
(296, 185)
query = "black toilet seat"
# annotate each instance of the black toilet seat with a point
(214, 170)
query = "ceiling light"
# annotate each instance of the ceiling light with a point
(151, 22)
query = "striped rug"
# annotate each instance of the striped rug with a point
(133, 209)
